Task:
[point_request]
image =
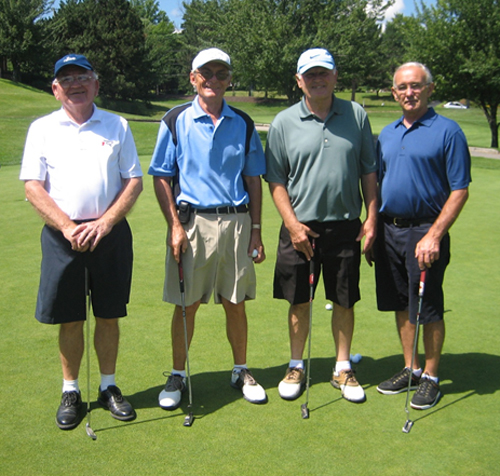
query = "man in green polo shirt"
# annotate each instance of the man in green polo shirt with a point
(319, 153)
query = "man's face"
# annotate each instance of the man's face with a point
(75, 87)
(211, 80)
(317, 83)
(411, 91)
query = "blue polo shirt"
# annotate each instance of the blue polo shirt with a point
(211, 159)
(420, 166)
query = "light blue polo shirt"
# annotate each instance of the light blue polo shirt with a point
(210, 159)
(420, 166)
(321, 162)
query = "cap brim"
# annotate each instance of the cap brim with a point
(316, 64)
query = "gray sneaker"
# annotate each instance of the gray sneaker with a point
(170, 396)
(427, 394)
(398, 383)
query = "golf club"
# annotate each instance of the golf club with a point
(88, 428)
(408, 424)
(188, 420)
(304, 409)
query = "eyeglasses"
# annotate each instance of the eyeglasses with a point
(67, 81)
(417, 87)
(319, 75)
(208, 74)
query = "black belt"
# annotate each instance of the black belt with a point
(406, 222)
(222, 210)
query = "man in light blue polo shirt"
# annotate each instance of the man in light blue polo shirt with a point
(318, 153)
(206, 166)
(424, 177)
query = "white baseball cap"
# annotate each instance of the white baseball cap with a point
(211, 55)
(313, 58)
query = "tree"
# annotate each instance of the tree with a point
(21, 33)
(395, 43)
(459, 42)
(162, 45)
(111, 34)
(351, 30)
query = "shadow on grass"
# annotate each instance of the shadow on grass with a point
(470, 373)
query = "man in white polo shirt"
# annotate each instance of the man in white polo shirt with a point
(82, 175)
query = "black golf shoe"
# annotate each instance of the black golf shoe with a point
(427, 395)
(71, 411)
(116, 403)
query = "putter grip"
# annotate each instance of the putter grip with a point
(421, 287)
(181, 276)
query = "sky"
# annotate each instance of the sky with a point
(174, 9)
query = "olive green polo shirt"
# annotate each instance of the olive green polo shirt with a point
(321, 163)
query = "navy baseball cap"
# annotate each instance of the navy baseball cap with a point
(72, 59)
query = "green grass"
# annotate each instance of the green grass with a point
(231, 436)
(21, 105)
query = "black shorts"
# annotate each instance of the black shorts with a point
(337, 254)
(61, 294)
(398, 275)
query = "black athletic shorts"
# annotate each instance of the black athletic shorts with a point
(61, 294)
(337, 255)
(398, 275)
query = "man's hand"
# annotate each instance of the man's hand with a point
(88, 235)
(427, 251)
(178, 241)
(256, 244)
(299, 236)
(369, 231)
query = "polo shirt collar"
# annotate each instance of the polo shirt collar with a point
(305, 113)
(63, 117)
(199, 112)
(426, 120)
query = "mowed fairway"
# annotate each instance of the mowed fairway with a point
(229, 435)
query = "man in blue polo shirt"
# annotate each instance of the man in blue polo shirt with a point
(424, 174)
(214, 154)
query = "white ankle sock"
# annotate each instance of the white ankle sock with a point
(417, 372)
(296, 364)
(342, 365)
(182, 373)
(70, 386)
(434, 379)
(107, 381)
(239, 368)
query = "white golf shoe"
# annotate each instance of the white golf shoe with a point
(170, 396)
(291, 386)
(349, 386)
(252, 391)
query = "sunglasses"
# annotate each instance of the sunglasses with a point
(208, 74)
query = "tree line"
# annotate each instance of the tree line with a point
(138, 53)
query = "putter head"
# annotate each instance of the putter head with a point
(407, 426)
(188, 419)
(305, 411)
(90, 432)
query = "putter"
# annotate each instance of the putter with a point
(304, 409)
(188, 420)
(88, 428)
(408, 424)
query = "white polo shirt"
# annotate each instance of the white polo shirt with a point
(83, 166)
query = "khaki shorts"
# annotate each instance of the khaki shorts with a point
(216, 261)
